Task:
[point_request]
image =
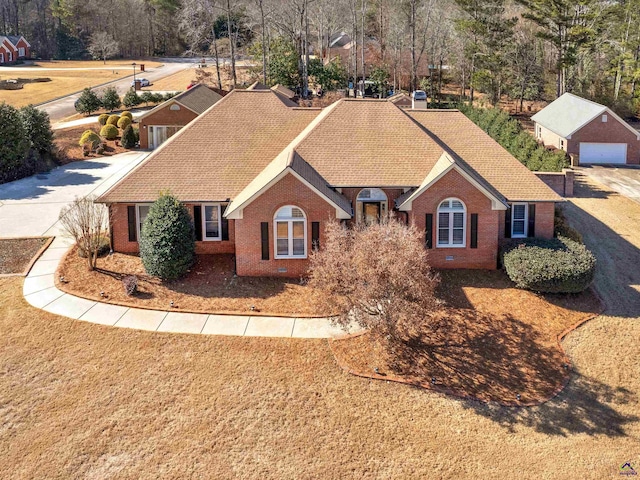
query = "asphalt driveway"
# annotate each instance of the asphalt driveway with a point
(30, 206)
(622, 179)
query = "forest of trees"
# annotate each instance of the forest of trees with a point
(524, 49)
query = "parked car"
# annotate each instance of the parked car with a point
(143, 82)
(419, 95)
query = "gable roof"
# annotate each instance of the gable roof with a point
(197, 99)
(470, 146)
(3, 39)
(220, 152)
(282, 90)
(569, 113)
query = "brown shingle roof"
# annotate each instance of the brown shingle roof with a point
(219, 153)
(369, 143)
(198, 98)
(484, 155)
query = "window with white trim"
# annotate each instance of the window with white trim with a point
(604, 119)
(142, 211)
(290, 227)
(1, 57)
(211, 222)
(452, 221)
(21, 51)
(519, 220)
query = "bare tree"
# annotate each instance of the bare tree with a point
(198, 24)
(377, 276)
(86, 222)
(103, 46)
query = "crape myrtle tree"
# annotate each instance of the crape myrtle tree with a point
(388, 292)
(86, 222)
(167, 239)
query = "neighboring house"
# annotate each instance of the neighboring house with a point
(262, 178)
(13, 48)
(401, 99)
(587, 129)
(165, 120)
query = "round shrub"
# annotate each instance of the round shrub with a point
(113, 120)
(126, 113)
(110, 132)
(128, 137)
(558, 265)
(167, 239)
(102, 119)
(91, 138)
(124, 122)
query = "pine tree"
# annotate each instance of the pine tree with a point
(88, 102)
(111, 99)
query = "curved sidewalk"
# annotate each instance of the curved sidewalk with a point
(40, 291)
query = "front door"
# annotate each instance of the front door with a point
(371, 212)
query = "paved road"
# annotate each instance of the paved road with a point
(30, 207)
(63, 107)
(624, 180)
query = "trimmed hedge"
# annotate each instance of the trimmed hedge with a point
(128, 139)
(559, 265)
(509, 133)
(167, 239)
(127, 113)
(113, 120)
(110, 132)
(91, 137)
(102, 119)
(124, 122)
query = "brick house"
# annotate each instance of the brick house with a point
(165, 120)
(13, 48)
(586, 129)
(261, 179)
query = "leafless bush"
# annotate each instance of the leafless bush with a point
(130, 284)
(377, 276)
(86, 222)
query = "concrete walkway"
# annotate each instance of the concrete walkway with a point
(92, 120)
(40, 291)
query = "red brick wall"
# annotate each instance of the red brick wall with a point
(120, 234)
(288, 191)
(544, 220)
(611, 131)
(453, 184)
(164, 116)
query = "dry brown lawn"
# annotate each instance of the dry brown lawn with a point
(95, 64)
(209, 287)
(16, 253)
(491, 342)
(180, 81)
(65, 141)
(62, 83)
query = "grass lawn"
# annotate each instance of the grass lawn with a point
(209, 287)
(62, 83)
(80, 400)
(67, 149)
(95, 64)
(16, 253)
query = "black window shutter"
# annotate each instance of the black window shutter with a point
(131, 218)
(315, 235)
(264, 231)
(532, 220)
(474, 230)
(225, 223)
(197, 221)
(507, 222)
(429, 231)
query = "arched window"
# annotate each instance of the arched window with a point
(371, 205)
(452, 223)
(290, 232)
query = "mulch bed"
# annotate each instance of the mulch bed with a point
(209, 287)
(67, 149)
(17, 253)
(491, 342)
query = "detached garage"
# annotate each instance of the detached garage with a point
(588, 130)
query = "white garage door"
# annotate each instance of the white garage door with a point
(603, 152)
